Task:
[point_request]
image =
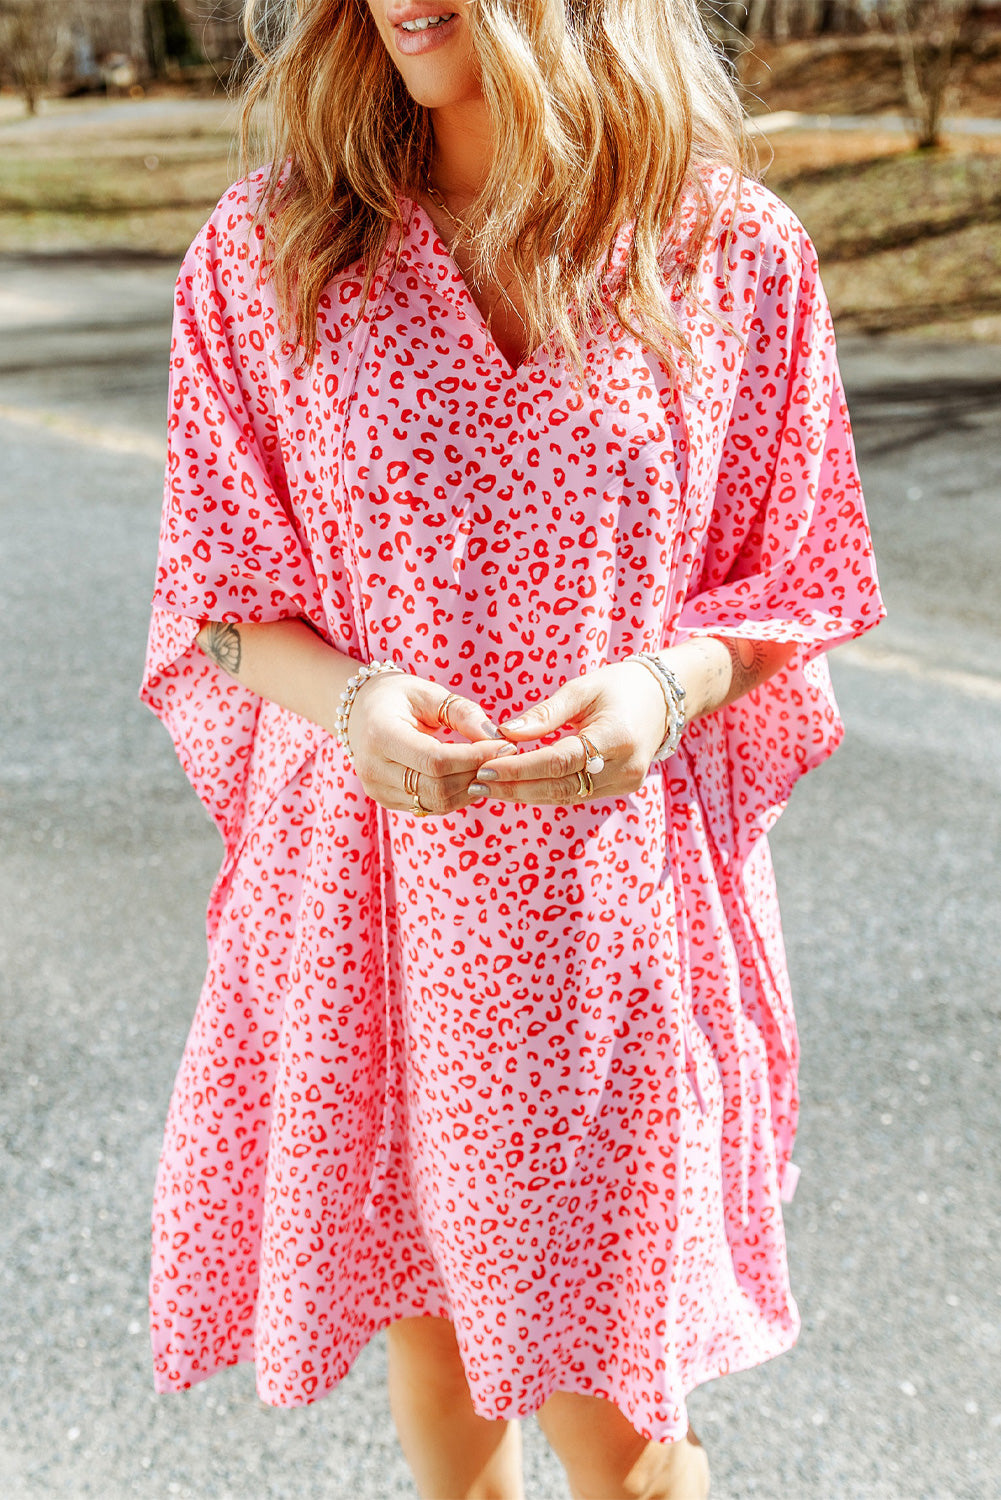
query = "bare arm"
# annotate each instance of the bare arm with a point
(288, 663)
(393, 722)
(284, 661)
(715, 670)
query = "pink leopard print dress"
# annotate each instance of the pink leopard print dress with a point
(529, 1068)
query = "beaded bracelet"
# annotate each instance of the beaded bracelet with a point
(674, 700)
(346, 699)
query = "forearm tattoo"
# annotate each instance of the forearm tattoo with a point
(222, 644)
(749, 661)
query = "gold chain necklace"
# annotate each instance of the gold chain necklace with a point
(434, 193)
(436, 196)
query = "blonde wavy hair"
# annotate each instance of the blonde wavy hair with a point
(603, 111)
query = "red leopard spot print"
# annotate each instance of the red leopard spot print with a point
(531, 1068)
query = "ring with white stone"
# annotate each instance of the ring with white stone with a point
(595, 761)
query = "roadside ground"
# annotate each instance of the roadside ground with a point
(909, 241)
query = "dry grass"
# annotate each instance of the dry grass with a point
(906, 239)
(109, 190)
(861, 76)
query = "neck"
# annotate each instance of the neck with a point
(463, 149)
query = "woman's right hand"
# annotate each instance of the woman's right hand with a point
(393, 726)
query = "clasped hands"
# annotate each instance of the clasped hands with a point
(402, 765)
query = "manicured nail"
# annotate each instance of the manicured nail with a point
(486, 775)
(478, 790)
(515, 724)
(490, 729)
(504, 750)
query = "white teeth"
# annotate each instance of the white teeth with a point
(424, 23)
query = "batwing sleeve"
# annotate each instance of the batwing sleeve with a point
(230, 545)
(787, 554)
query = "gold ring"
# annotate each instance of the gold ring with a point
(443, 710)
(410, 782)
(595, 760)
(584, 783)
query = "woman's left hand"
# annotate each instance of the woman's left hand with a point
(620, 709)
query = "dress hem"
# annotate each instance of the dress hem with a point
(784, 1339)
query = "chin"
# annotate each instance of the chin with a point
(437, 93)
(435, 82)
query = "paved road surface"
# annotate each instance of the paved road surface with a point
(158, 113)
(888, 866)
(792, 119)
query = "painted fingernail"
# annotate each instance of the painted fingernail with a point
(490, 729)
(483, 774)
(504, 750)
(515, 724)
(478, 790)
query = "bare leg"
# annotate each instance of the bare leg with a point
(605, 1458)
(453, 1453)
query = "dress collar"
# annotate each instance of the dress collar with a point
(423, 248)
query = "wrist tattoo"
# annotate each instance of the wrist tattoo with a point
(222, 644)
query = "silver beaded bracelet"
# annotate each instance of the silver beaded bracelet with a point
(674, 700)
(346, 699)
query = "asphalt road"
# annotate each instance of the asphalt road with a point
(888, 867)
(220, 113)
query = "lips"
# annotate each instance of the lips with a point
(426, 39)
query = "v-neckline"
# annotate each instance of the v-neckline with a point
(466, 300)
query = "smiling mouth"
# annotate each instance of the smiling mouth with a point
(427, 23)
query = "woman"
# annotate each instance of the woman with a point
(505, 385)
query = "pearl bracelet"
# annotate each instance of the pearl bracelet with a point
(346, 699)
(674, 700)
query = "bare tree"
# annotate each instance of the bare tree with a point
(29, 39)
(928, 34)
(738, 23)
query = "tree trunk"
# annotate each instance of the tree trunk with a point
(30, 40)
(138, 48)
(756, 13)
(927, 35)
(781, 20)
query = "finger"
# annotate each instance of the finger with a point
(404, 743)
(440, 794)
(568, 702)
(434, 803)
(552, 763)
(396, 797)
(439, 762)
(563, 792)
(463, 715)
